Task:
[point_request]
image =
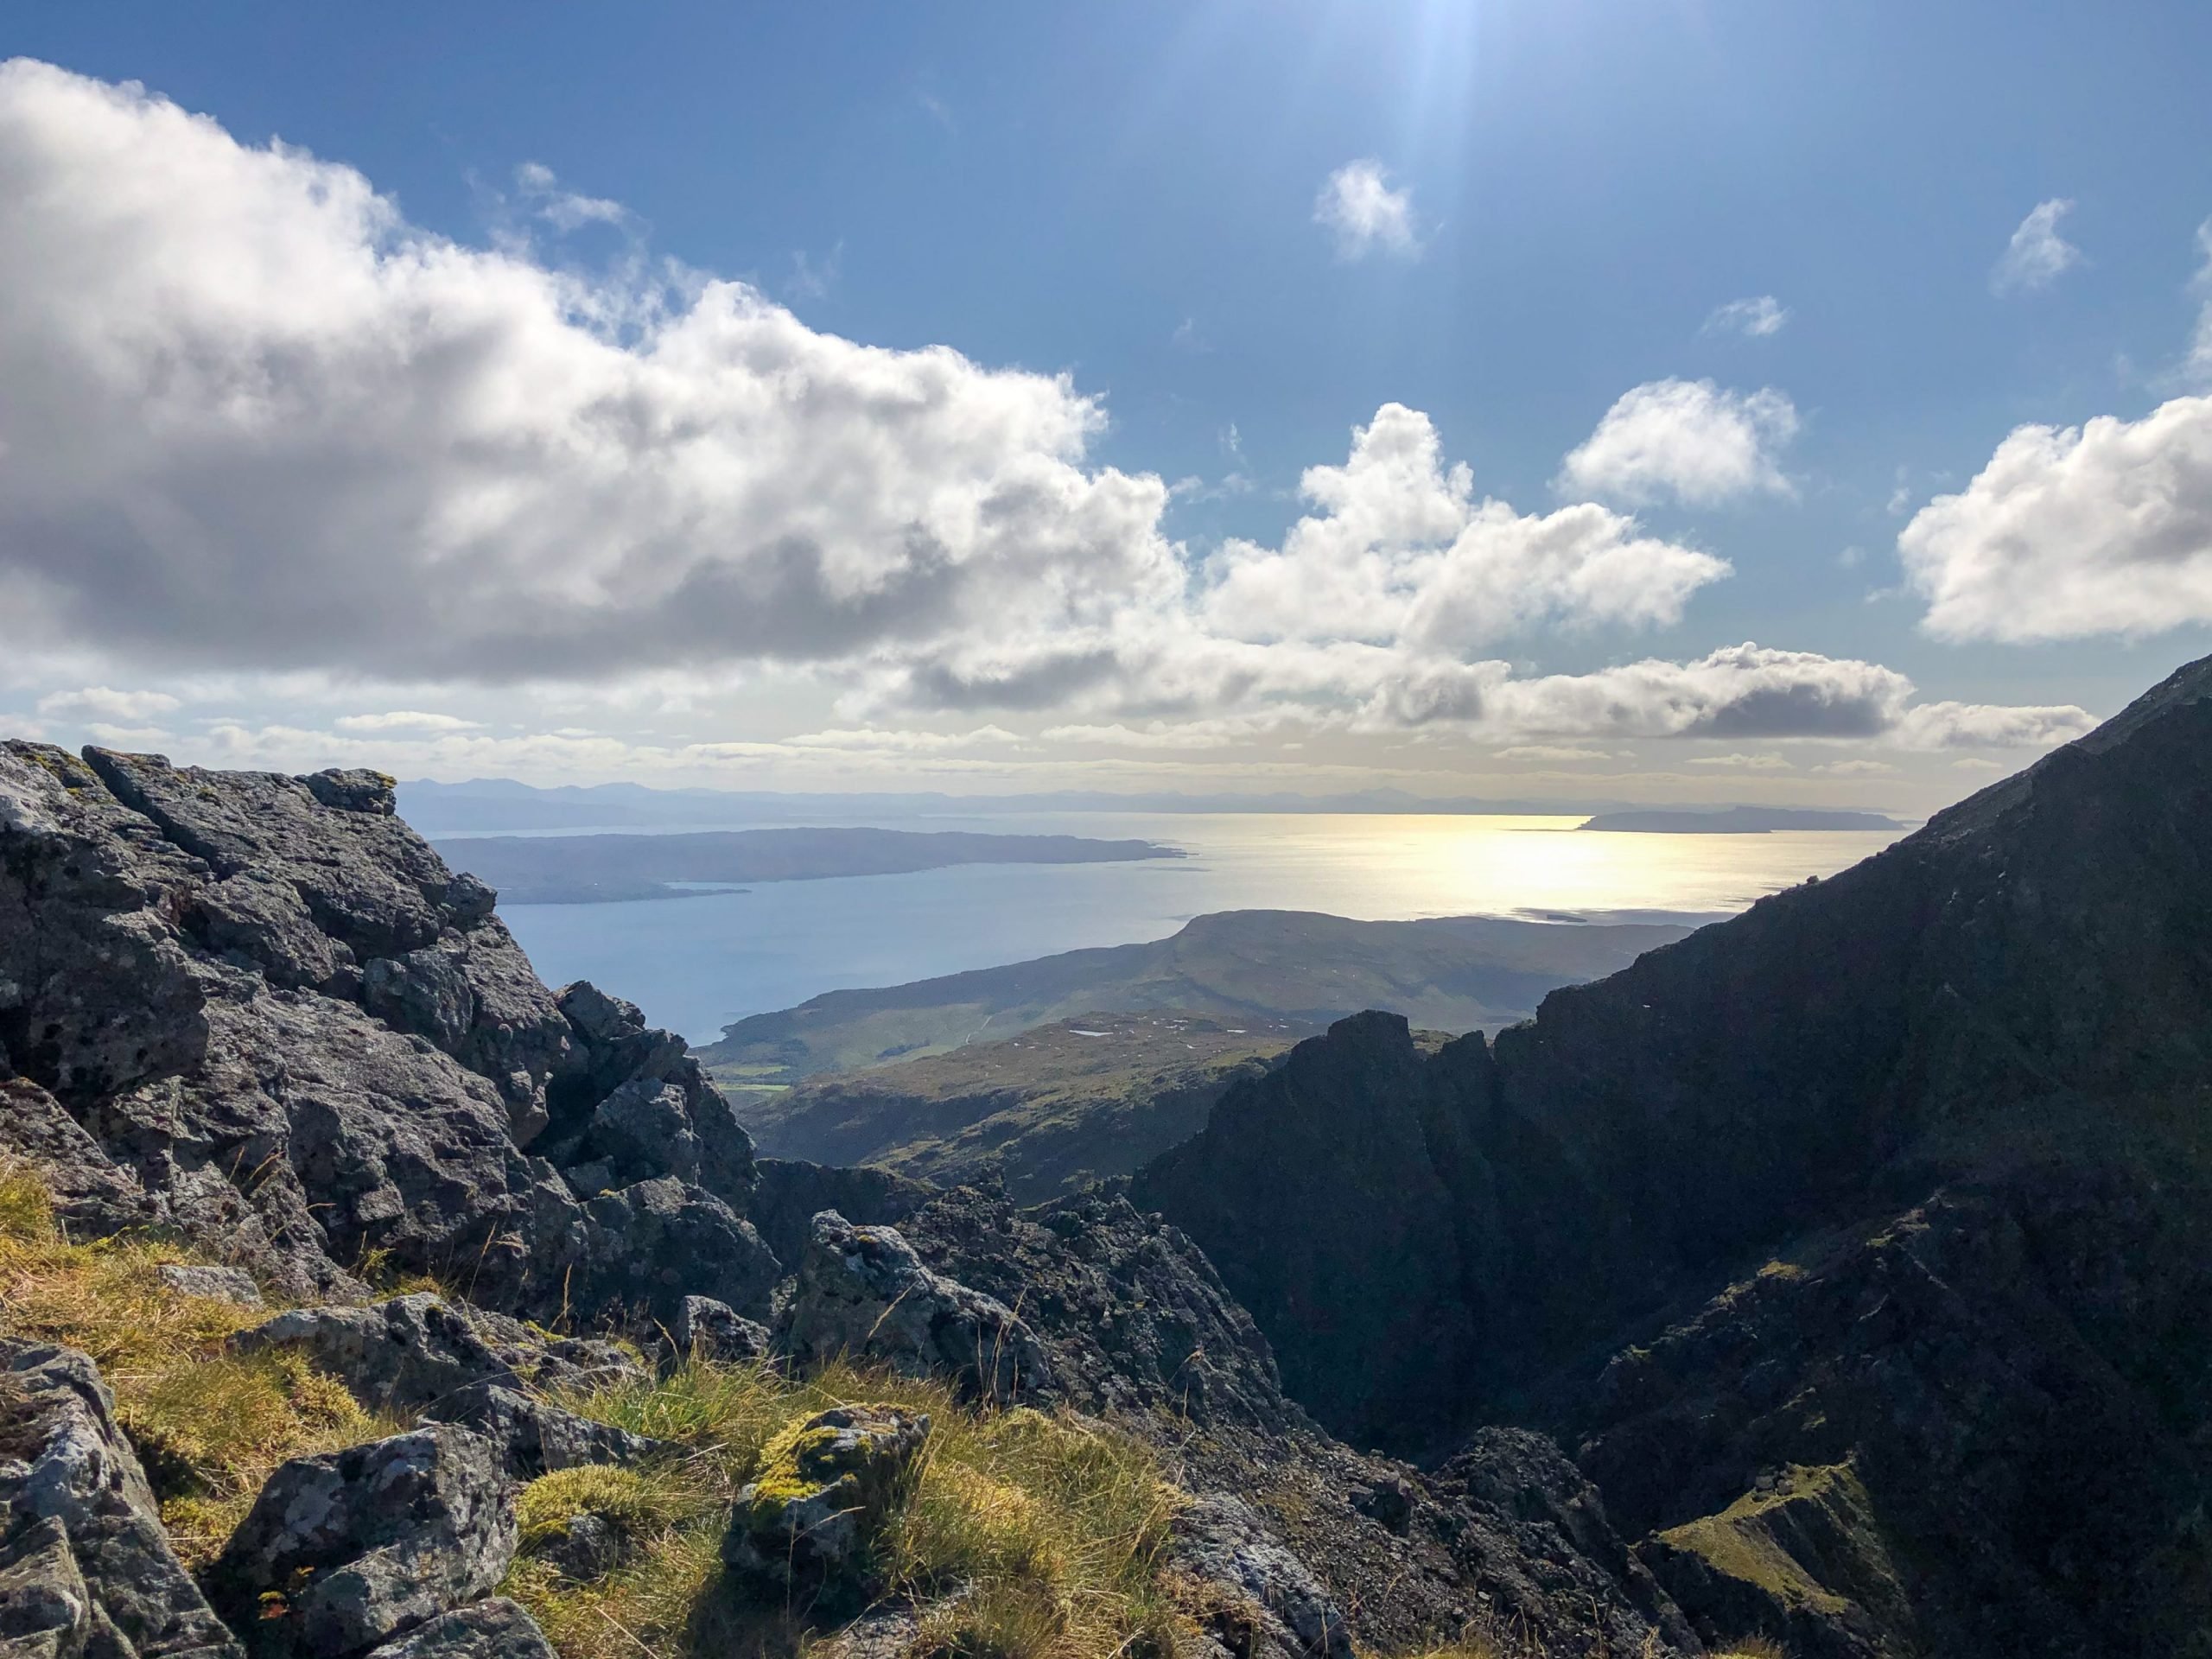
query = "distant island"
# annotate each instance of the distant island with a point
(1280, 971)
(1738, 821)
(610, 868)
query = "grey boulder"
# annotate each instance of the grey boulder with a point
(651, 1244)
(706, 1329)
(420, 1353)
(85, 1566)
(346, 1550)
(863, 1292)
(819, 1496)
(216, 1284)
(1266, 1604)
(497, 1628)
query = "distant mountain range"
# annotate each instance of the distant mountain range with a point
(597, 869)
(1738, 821)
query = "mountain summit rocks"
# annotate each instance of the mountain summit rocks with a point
(277, 1020)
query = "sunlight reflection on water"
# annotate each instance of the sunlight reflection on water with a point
(694, 964)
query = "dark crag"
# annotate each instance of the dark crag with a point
(1900, 1176)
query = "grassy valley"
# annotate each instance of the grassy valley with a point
(1094, 1095)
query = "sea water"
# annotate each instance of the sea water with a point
(694, 964)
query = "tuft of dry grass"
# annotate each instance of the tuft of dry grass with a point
(210, 1426)
(1036, 1536)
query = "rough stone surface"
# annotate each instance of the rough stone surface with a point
(92, 1197)
(85, 1566)
(692, 1135)
(862, 1292)
(713, 1329)
(363, 1545)
(536, 1437)
(420, 1353)
(1264, 1603)
(821, 1492)
(407, 1353)
(650, 1245)
(583, 1546)
(45, 1608)
(788, 1194)
(262, 1010)
(1135, 1320)
(497, 1628)
(216, 1283)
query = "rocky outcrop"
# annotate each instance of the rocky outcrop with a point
(421, 1354)
(654, 1243)
(1802, 1555)
(85, 1566)
(789, 1194)
(706, 1329)
(1260, 1600)
(823, 1490)
(637, 1107)
(1509, 1541)
(262, 1010)
(343, 1552)
(863, 1293)
(1135, 1321)
(1365, 1299)
(1900, 1170)
(490, 1629)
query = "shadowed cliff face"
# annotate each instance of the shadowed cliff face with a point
(2000, 1028)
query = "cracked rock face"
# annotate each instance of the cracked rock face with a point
(497, 1628)
(462, 1365)
(343, 1552)
(262, 1010)
(862, 1292)
(1267, 1605)
(85, 1566)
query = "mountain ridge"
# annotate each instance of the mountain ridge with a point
(1973, 1065)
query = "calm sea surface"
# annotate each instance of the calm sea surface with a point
(694, 964)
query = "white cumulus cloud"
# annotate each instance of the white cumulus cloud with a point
(1359, 207)
(1565, 753)
(1690, 440)
(2037, 255)
(1739, 762)
(258, 429)
(2101, 529)
(1401, 550)
(253, 416)
(405, 720)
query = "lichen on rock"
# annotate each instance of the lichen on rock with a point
(824, 1486)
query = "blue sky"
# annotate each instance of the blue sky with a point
(1557, 198)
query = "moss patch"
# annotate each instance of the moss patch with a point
(1049, 1530)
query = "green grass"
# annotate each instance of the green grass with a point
(1050, 1529)
(210, 1426)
